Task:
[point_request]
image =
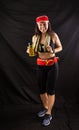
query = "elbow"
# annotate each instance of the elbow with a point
(58, 49)
(61, 48)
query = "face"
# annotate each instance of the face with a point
(43, 26)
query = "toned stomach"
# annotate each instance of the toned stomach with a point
(45, 55)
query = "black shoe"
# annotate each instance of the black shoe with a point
(42, 113)
(47, 120)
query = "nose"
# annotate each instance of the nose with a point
(43, 26)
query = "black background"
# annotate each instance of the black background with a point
(18, 84)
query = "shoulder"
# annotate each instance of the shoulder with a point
(54, 35)
(33, 37)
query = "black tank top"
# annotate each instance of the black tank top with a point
(42, 47)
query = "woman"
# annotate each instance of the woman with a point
(46, 43)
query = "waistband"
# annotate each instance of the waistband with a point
(47, 62)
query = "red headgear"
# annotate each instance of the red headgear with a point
(42, 18)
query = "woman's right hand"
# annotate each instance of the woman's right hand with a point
(27, 50)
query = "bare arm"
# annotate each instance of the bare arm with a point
(57, 42)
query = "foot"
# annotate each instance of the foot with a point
(47, 120)
(42, 113)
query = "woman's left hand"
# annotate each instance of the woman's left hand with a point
(49, 49)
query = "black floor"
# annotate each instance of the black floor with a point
(23, 117)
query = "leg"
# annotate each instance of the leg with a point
(51, 81)
(42, 77)
(51, 101)
(48, 115)
(48, 101)
(44, 99)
